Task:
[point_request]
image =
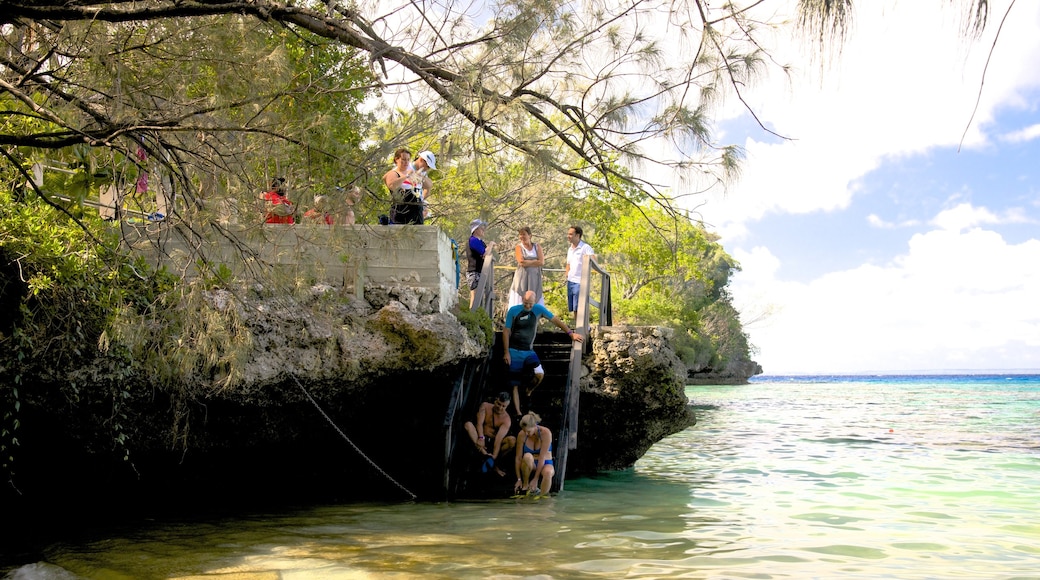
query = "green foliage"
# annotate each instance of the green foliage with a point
(197, 346)
(665, 269)
(214, 106)
(220, 104)
(478, 324)
(67, 286)
(80, 304)
(219, 276)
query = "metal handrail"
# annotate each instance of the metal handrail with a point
(483, 297)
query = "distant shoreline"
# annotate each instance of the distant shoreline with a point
(890, 374)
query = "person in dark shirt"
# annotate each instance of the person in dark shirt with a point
(405, 186)
(518, 344)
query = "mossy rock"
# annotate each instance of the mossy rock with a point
(418, 347)
(478, 324)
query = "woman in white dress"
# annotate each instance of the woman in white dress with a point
(528, 275)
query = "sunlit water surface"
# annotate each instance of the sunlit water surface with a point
(889, 477)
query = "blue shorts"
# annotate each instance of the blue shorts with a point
(572, 296)
(522, 364)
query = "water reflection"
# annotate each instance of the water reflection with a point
(804, 482)
(618, 516)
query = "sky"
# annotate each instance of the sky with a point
(873, 239)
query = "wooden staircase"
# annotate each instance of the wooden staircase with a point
(547, 400)
(555, 400)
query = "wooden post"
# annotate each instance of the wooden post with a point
(568, 436)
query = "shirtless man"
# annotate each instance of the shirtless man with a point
(492, 440)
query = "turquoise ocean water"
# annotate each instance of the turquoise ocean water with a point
(913, 477)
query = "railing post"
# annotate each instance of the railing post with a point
(581, 326)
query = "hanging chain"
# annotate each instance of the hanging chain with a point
(347, 439)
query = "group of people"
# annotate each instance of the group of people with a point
(280, 210)
(526, 298)
(490, 434)
(409, 184)
(532, 458)
(529, 262)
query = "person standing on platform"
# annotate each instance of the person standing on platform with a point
(425, 162)
(352, 198)
(578, 249)
(476, 251)
(528, 275)
(319, 213)
(405, 187)
(278, 210)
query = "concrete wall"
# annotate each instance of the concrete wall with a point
(352, 257)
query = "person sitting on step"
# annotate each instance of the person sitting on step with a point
(534, 462)
(490, 434)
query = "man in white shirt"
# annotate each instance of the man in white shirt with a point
(577, 250)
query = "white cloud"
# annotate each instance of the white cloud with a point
(965, 216)
(960, 296)
(905, 82)
(876, 221)
(955, 300)
(1022, 135)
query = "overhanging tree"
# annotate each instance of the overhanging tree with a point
(607, 83)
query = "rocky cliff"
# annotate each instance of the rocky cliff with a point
(632, 396)
(335, 398)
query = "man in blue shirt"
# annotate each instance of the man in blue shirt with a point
(518, 344)
(475, 256)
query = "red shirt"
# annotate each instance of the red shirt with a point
(278, 199)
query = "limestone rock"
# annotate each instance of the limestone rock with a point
(632, 397)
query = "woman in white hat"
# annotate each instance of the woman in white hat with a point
(425, 163)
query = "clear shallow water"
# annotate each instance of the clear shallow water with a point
(821, 477)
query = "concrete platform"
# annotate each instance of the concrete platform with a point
(349, 257)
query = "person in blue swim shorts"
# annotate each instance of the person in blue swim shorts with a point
(518, 344)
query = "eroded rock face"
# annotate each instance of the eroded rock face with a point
(382, 376)
(350, 343)
(632, 395)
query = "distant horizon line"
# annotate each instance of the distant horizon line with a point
(1027, 371)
